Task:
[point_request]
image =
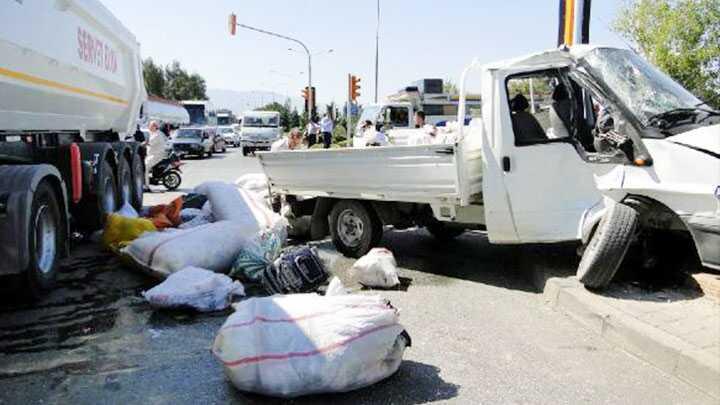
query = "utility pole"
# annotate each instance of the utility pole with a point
(377, 50)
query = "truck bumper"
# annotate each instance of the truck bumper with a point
(257, 144)
(705, 230)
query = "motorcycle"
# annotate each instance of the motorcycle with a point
(167, 172)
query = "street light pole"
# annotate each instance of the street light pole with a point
(377, 50)
(307, 51)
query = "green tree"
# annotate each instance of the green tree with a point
(450, 87)
(180, 85)
(295, 118)
(154, 78)
(681, 37)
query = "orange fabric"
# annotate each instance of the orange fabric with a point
(166, 215)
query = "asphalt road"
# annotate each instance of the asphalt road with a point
(481, 334)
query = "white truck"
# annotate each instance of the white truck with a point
(258, 130)
(396, 115)
(72, 87)
(531, 177)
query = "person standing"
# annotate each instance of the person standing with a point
(313, 130)
(326, 129)
(155, 150)
(427, 134)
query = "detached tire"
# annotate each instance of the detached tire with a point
(45, 239)
(354, 228)
(607, 247)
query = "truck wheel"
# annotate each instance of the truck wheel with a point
(138, 179)
(443, 232)
(354, 228)
(45, 240)
(608, 246)
(125, 180)
(103, 202)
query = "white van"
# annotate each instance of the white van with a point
(259, 129)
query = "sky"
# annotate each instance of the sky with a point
(418, 39)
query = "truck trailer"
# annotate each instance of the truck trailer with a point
(72, 88)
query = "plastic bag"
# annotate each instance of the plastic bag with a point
(196, 288)
(302, 344)
(127, 211)
(120, 230)
(258, 254)
(377, 268)
(213, 246)
(335, 287)
(193, 217)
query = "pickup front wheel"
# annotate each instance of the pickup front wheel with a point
(607, 247)
(355, 228)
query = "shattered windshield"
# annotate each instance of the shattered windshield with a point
(644, 90)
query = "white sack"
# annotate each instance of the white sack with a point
(197, 288)
(237, 204)
(300, 344)
(213, 246)
(377, 268)
(255, 182)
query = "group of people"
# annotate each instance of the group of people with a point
(374, 135)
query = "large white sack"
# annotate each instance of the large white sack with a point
(196, 288)
(300, 344)
(212, 246)
(377, 268)
(230, 203)
(255, 182)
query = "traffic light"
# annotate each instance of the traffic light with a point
(308, 95)
(354, 87)
(232, 23)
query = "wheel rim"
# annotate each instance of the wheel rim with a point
(350, 228)
(45, 238)
(172, 180)
(109, 196)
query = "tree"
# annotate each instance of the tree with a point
(295, 118)
(681, 37)
(154, 78)
(180, 85)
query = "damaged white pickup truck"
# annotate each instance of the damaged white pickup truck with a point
(588, 143)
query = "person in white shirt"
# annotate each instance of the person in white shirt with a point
(313, 130)
(428, 133)
(291, 142)
(154, 149)
(326, 129)
(371, 136)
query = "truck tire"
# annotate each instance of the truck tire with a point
(124, 182)
(442, 232)
(607, 247)
(97, 206)
(137, 165)
(355, 229)
(45, 239)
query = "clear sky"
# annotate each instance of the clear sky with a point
(418, 38)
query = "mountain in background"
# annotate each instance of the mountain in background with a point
(239, 101)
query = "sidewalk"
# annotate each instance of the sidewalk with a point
(676, 330)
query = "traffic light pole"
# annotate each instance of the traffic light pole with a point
(307, 51)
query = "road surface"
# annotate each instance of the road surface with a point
(481, 334)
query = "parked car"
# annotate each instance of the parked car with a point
(193, 141)
(230, 136)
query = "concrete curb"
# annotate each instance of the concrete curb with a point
(645, 341)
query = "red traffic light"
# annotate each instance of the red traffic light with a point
(354, 87)
(232, 23)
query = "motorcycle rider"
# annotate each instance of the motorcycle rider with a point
(155, 150)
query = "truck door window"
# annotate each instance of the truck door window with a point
(540, 108)
(399, 116)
